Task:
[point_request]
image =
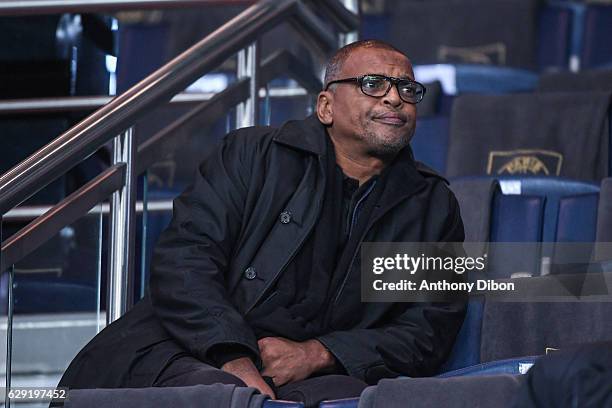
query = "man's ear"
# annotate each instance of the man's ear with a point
(325, 110)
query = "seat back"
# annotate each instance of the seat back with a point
(565, 201)
(604, 212)
(554, 35)
(466, 350)
(604, 221)
(597, 25)
(515, 218)
(577, 218)
(544, 134)
(593, 80)
(430, 142)
(513, 329)
(479, 31)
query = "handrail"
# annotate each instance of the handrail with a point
(150, 151)
(64, 213)
(83, 139)
(284, 61)
(274, 65)
(25, 7)
(154, 148)
(79, 103)
(345, 20)
(120, 115)
(91, 103)
(30, 212)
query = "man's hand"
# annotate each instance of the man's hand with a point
(288, 361)
(244, 369)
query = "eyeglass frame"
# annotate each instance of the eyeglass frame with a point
(391, 80)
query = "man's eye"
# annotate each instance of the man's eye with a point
(408, 89)
(373, 83)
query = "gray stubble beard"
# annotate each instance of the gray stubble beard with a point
(385, 148)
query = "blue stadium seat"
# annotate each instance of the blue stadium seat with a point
(577, 12)
(374, 26)
(35, 295)
(577, 218)
(604, 212)
(554, 36)
(484, 79)
(577, 223)
(60, 275)
(527, 210)
(567, 212)
(137, 61)
(466, 350)
(341, 403)
(430, 141)
(515, 218)
(513, 366)
(554, 190)
(475, 78)
(597, 25)
(431, 104)
(281, 404)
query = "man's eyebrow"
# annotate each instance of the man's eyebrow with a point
(406, 76)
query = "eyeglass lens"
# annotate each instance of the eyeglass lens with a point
(377, 86)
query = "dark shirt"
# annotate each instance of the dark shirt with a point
(353, 195)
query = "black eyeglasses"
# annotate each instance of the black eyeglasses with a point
(379, 85)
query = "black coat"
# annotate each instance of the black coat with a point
(226, 246)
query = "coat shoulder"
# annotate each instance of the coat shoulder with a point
(253, 135)
(245, 144)
(428, 172)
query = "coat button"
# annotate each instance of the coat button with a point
(285, 217)
(250, 273)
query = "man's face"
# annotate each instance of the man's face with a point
(380, 126)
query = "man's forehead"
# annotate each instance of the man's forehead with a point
(377, 61)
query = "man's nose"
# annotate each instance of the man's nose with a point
(392, 97)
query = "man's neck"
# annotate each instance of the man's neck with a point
(357, 166)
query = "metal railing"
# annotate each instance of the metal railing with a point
(83, 139)
(115, 120)
(92, 103)
(25, 7)
(119, 115)
(157, 146)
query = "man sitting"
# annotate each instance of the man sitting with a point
(256, 281)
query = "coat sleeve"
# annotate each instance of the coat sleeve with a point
(414, 343)
(188, 283)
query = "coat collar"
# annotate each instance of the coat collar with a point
(401, 180)
(308, 134)
(402, 177)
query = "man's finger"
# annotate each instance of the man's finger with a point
(264, 341)
(279, 381)
(267, 390)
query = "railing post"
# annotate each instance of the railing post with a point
(9, 335)
(248, 61)
(347, 38)
(122, 210)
